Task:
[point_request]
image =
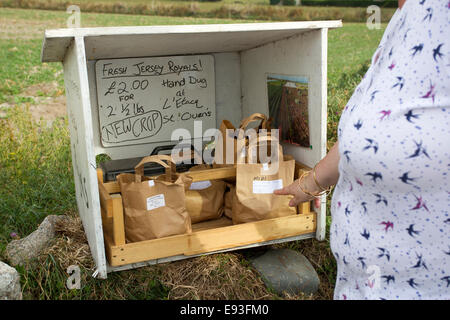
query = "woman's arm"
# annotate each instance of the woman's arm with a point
(327, 174)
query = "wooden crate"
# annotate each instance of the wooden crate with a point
(208, 236)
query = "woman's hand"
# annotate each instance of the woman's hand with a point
(299, 196)
(327, 174)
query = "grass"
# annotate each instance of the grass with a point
(35, 169)
(88, 19)
(349, 52)
(16, 61)
(253, 9)
(37, 180)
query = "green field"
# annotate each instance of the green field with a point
(235, 9)
(36, 170)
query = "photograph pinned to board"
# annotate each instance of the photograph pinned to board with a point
(288, 108)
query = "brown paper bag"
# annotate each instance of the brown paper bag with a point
(220, 159)
(254, 199)
(204, 199)
(154, 208)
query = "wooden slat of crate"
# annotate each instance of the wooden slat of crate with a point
(106, 202)
(200, 175)
(112, 187)
(216, 223)
(304, 207)
(118, 224)
(211, 239)
(221, 173)
(106, 223)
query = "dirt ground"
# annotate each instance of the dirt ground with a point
(51, 101)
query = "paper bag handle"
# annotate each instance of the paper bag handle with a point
(254, 117)
(170, 167)
(255, 143)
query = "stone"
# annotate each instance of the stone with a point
(285, 270)
(9, 283)
(19, 252)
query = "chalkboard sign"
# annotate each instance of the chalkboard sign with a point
(142, 100)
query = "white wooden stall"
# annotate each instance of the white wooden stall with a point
(239, 58)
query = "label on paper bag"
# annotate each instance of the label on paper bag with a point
(267, 186)
(155, 202)
(200, 185)
(151, 183)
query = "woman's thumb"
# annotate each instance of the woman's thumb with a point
(283, 191)
(286, 190)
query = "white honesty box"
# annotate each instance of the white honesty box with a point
(129, 88)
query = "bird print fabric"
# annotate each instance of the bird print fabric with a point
(390, 231)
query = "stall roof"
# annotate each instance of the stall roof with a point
(120, 42)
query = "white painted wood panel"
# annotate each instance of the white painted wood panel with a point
(303, 55)
(83, 157)
(321, 217)
(228, 88)
(121, 42)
